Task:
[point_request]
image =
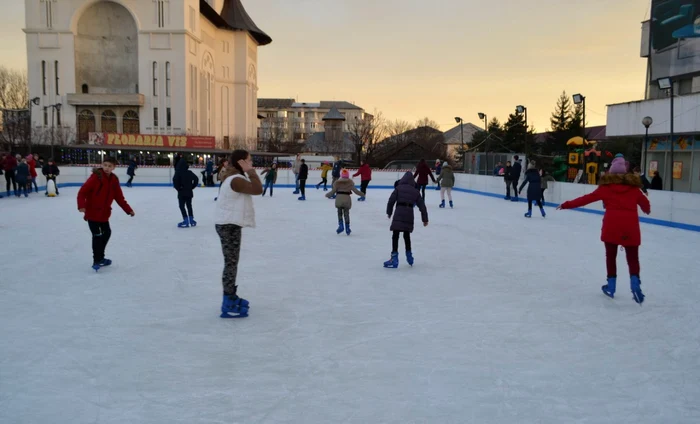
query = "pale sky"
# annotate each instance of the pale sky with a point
(439, 58)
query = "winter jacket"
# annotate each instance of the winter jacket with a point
(438, 169)
(547, 179)
(620, 194)
(337, 167)
(184, 180)
(365, 173)
(304, 171)
(270, 175)
(447, 177)
(497, 170)
(404, 197)
(508, 174)
(423, 172)
(22, 175)
(534, 183)
(98, 193)
(517, 169)
(656, 182)
(342, 189)
(131, 170)
(646, 185)
(9, 164)
(32, 167)
(50, 171)
(233, 207)
(324, 170)
(296, 166)
(209, 169)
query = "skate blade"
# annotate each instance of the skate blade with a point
(391, 266)
(242, 313)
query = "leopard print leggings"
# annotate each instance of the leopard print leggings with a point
(230, 236)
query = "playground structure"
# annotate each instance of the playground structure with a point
(583, 157)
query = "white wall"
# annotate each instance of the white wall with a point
(670, 207)
(625, 119)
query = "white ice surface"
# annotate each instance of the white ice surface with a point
(500, 321)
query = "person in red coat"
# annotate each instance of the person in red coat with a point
(95, 201)
(621, 194)
(423, 172)
(365, 173)
(32, 173)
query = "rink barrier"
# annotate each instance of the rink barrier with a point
(669, 209)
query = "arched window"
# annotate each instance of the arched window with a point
(131, 124)
(85, 89)
(109, 121)
(86, 125)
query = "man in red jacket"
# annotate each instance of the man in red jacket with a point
(95, 201)
(365, 173)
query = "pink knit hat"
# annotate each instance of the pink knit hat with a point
(618, 166)
(344, 173)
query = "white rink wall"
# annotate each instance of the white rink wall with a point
(681, 210)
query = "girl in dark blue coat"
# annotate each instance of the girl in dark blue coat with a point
(534, 193)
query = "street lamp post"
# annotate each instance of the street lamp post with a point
(56, 107)
(580, 99)
(647, 121)
(483, 117)
(523, 111)
(33, 102)
(461, 131)
(667, 84)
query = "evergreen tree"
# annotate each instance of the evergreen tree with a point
(515, 132)
(562, 114)
(575, 124)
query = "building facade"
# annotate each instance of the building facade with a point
(670, 45)
(286, 120)
(166, 67)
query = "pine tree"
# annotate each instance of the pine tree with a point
(515, 132)
(562, 114)
(575, 124)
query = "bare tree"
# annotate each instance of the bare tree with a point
(54, 137)
(427, 122)
(14, 104)
(367, 133)
(274, 134)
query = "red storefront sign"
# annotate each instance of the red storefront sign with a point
(152, 140)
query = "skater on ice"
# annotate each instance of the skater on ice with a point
(621, 194)
(403, 198)
(342, 192)
(422, 173)
(534, 192)
(51, 172)
(270, 178)
(185, 181)
(365, 173)
(447, 177)
(32, 173)
(9, 165)
(507, 178)
(438, 170)
(131, 170)
(95, 201)
(546, 178)
(325, 167)
(23, 178)
(515, 171)
(302, 177)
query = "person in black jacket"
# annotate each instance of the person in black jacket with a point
(508, 179)
(303, 176)
(185, 182)
(335, 173)
(515, 175)
(656, 182)
(534, 182)
(646, 185)
(50, 171)
(131, 171)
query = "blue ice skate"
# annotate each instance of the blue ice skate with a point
(347, 229)
(636, 286)
(184, 224)
(302, 198)
(393, 262)
(104, 262)
(193, 223)
(515, 199)
(544, 215)
(451, 204)
(234, 305)
(409, 258)
(442, 204)
(609, 289)
(528, 214)
(506, 198)
(341, 227)
(361, 199)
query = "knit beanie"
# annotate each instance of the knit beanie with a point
(444, 164)
(618, 166)
(532, 165)
(344, 173)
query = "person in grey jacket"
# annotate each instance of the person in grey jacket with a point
(342, 192)
(447, 178)
(545, 178)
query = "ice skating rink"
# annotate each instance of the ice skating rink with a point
(501, 320)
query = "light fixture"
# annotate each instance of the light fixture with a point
(119, 151)
(482, 115)
(578, 99)
(647, 121)
(665, 83)
(36, 100)
(58, 106)
(520, 109)
(141, 152)
(458, 119)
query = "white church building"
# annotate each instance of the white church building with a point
(144, 67)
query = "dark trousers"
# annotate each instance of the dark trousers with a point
(531, 201)
(101, 232)
(268, 184)
(344, 213)
(131, 178)
(185, 202)
(302, 187)
(422, 190)
(10, 179)
(324, 181)
(36, 187)
(632, 253)
(395, 241)
(515, 187)
(230, 236)
(47, 184)
(363, 186)
(542, 195)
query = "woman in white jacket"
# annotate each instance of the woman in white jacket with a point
(234, 210)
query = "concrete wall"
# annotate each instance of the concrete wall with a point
(673, 209)
(625, 119)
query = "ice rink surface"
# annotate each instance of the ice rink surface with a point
(501, 320)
